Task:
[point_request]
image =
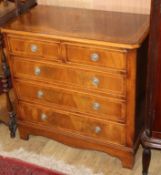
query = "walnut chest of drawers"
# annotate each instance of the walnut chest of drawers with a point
(78, 77)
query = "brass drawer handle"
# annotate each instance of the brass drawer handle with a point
(95, 81)
(98, 129)
(37, 71)
(95, 57)
(40, 94)
(34, 48)
(43, 117)
(96, 106)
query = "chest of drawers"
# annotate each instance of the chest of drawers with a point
(78, 77)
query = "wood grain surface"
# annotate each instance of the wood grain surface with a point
(109, 83)
(82, 24)
(71, 100)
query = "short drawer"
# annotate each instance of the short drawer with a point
(45, 116)
(66, 99)
(32, 47)
(96, 56)
(113, 84)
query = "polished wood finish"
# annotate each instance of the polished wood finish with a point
(80, 54)
(110, 83)
(146, 160)
(70, 100)
(151, 137)
(86, 87)
(106, 28)
(70, 122)
(22, 46)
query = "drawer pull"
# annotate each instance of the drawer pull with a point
(37, 71)
(95, 81)
(95, 57)
(96, 106)
(44, 117)
(98, 129)
(34, 48)
(40, 94)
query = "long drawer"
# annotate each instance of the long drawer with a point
(86, 126)
(94, 56)
(110, 83)
(101, 107)
(49, 50)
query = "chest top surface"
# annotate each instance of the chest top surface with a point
(64, 22)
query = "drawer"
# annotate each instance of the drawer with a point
(32, 47)
(85, 126)
(96, 56)
(101, 107)
(60, 73)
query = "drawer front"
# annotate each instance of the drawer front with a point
(101, 107)
(31, 47)
(107, 82)
(96, 57)
(73, 123)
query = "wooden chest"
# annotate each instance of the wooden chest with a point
(78, 76)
